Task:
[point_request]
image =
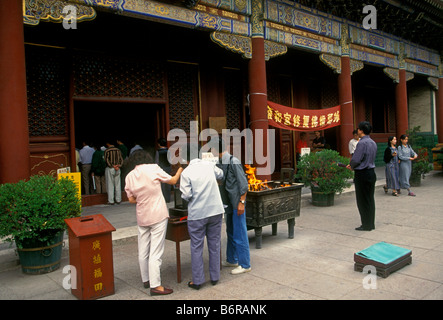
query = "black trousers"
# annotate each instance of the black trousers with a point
(364, 192)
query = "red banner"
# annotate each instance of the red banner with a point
(302, 119)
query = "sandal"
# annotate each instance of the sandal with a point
(385, 188)
(395, 194)
(412, 194)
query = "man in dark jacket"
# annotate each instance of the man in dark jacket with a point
(98, 168)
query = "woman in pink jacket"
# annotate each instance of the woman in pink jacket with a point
(143, 187)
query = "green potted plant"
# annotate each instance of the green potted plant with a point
(421, 165)
(32, 215)
(322, 173)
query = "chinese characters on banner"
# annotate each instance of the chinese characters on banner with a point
(302, 119)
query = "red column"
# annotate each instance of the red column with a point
(258, 99)
(14, 131)
(401, 108)
(439, 110)
(345, 100)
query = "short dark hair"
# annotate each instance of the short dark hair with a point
(140, 157)
(355, 132)
(365, 126)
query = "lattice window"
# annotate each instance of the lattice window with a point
(273, 91)
(391, 118)
(329, 95)
(105, 76)
(233, 99)
(314, 96)
(182, 79)
(46, 91)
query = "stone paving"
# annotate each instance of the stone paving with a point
(316, 265)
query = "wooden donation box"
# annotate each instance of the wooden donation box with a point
(384, 257)
(90, 253)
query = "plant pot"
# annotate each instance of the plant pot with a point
(321, 199)
(415, 180)
(39, 258)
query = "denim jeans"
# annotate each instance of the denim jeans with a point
(237, 249)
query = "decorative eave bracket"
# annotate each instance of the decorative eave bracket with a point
(35, 11)
(394, 74)
(243, 45)
(334, 62)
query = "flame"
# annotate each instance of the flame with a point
(257, 184)
(254, 183)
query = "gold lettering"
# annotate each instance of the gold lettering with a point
(98, 273)
(336, 116)
(305, 121)
(322, 120)
(97, 259)
(314, 122)
(98, 286)
(297, 121)
(269, 113)
(287, 119)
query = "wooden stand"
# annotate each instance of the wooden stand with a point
(177, 231)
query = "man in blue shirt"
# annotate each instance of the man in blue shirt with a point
(363, 164)
(86, 162)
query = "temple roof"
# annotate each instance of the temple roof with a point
(419, 21)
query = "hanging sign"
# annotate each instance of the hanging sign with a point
(302, 119)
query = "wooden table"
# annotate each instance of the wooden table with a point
(177, 231)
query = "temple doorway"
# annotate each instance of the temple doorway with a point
(132, 123)
(98, 122)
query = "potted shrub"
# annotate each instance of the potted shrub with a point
(320, 171)
(32, 215)
(421, 165)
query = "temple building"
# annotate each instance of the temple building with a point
(94, 70)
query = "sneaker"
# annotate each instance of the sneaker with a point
(240, 270)
(228, 264)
